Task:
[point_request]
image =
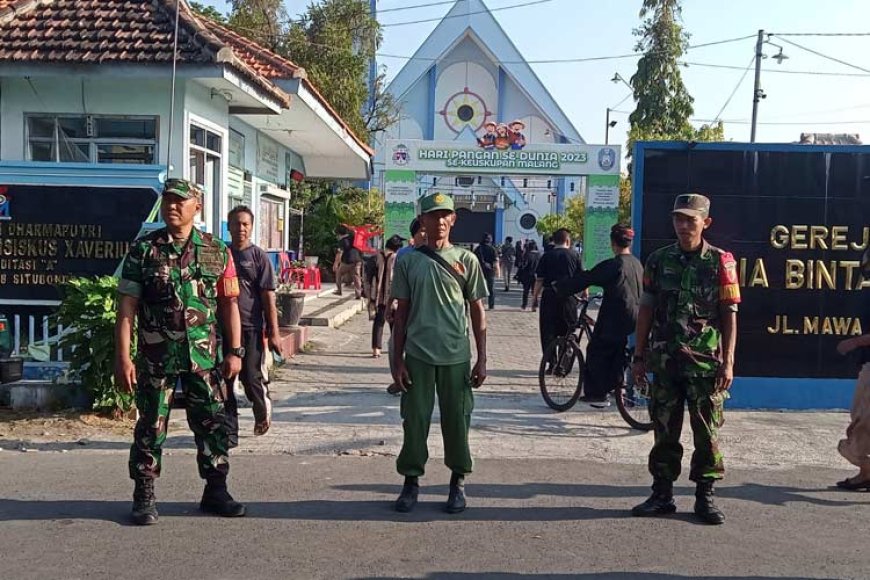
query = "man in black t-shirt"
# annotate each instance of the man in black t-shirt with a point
(348, 263)
(558, 314)
(259, 315)
(487, 255)
(621, 277)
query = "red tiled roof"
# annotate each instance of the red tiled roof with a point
(261, 59)
(138, 32)
(274, 66)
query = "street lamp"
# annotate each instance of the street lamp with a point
(758, 93)
(608, 124)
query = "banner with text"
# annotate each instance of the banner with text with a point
(489, 157)
(602, 212)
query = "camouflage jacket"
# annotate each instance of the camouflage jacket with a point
(687, 293)
(178, 288)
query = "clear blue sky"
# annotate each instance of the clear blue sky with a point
(560, 29)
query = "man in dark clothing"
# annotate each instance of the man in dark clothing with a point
(558, 315)
(508, 258)
(348, 262)
(622, 280)
(258, 313)
(487, 255)
(526, 273)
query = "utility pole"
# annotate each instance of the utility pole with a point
(757, 94)
(607, 128)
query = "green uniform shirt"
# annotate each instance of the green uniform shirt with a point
(437, 328)
(177, 287)
(688, 292)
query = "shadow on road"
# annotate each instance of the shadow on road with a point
(762, 494)
(604, 575)
(313, 510)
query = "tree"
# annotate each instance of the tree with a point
(335, 41)
(624, 199)
(664, 105)
(263, 21)
(572, 219)
(208, 11)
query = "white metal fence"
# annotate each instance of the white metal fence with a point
(33, 335)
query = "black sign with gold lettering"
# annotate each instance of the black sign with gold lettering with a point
(796, 219)
(49, 234)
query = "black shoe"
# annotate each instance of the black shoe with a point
(408, 498)
(218, 501)
(705, 508)
(456, 498)
(660, 503)
(144, 505)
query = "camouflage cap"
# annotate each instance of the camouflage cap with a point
(692, 204)
(435, 202)
(182, 188)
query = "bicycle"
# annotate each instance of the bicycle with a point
(562, 368)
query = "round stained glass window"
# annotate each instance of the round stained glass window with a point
(528, 221)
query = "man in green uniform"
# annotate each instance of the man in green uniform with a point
(174, 281)
(689, 302)
(432, 352)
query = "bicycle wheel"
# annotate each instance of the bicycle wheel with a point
(633, 402)
(561, 373)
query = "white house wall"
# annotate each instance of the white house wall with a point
(83, 95)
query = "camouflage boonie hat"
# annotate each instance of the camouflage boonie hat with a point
(182, 188)
(435, 202)
(692, 204)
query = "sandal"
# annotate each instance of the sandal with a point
(850, 484)
(262, 427)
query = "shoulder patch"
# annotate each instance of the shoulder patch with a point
(729, 287)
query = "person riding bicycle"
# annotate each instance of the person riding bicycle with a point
(558, 314)
(621, 277)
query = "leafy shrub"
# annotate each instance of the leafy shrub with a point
(88, 311)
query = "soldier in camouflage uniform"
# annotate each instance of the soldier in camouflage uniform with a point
(689, 302)
(174, 281)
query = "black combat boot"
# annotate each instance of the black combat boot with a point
(456, 498)
(705, 508)
(660, 503)
(144, 504)
(408, 498)
(218, 501)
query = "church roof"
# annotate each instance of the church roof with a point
(473, 18)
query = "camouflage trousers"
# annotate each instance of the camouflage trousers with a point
(205, 416)
(670, 395)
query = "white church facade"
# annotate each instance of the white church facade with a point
(468, 83)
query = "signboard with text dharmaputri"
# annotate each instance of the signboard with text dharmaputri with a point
(49, 234)
(796, 219)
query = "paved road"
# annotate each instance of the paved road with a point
(550, 493)
(64, 516)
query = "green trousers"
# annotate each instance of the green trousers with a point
(669, 397)
(205, 416)
(455, 403)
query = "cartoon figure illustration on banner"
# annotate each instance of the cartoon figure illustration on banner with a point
(487, 141)
(518, 140)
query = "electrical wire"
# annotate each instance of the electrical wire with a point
(401, 8)
(736, 87)
(425, 20)
(825, 56)
(774, 70)
(831, 34)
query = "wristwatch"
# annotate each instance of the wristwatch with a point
(239, 351)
